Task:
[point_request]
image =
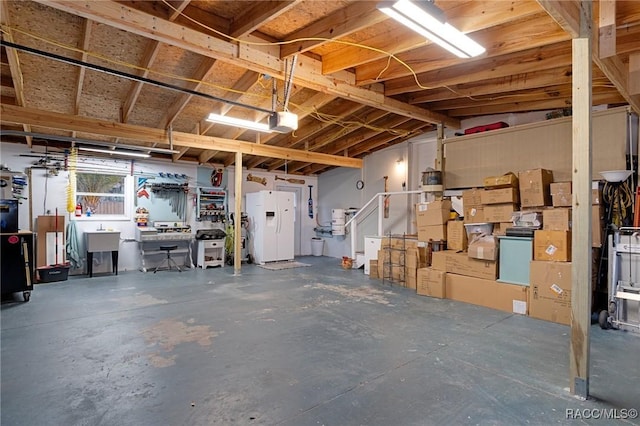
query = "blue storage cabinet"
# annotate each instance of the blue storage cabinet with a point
(516, 254)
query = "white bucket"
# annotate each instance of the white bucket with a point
(337, 214)
(338, 229)
(317, 246)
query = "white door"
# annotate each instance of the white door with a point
(297, 215)
(286, 226)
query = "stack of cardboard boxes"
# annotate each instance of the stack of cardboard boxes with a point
(468, 270)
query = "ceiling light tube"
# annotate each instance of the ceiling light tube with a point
(238, 122)
(423, 17)
(116, 152)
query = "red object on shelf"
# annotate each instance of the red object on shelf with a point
(636, 209)
(486, 127)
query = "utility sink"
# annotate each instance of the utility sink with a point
(102, 240)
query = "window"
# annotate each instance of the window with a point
(102, 193)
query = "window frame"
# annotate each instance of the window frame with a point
(128, 199)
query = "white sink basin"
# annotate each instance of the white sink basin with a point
(97, 241)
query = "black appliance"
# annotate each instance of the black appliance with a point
(210, 234)
(16, 269)
(8, 216)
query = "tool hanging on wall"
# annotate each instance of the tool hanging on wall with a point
(310, 202)
(216, 177)
(251, 178)
(386, 198)
(291, 180)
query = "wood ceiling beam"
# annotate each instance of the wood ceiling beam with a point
(86, 37)
(412, 128)
(195, 83)
(140, 134)
(301, 138)
(311, 105)
(557, 93)
(467, 17)
(541, 58)
(341, 23)
(518, 36)
(327, 138)
(345, 143)
(14, 65)
(607, 28)
(598, 99)
(258, 15)
(178, 155)
(532, 80)
(308, 73)
(149, 56)
(567, 15)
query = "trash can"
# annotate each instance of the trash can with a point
(317, 246)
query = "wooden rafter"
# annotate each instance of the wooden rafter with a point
(140, 135)
(86, 37)
(149, 56)
(195, 83)
(258, 15)
(546, 57)
(308, 73)
(567, 15)
(471, 17)
(519, 36)
(301, 138)
(354, 17)
(14, 66)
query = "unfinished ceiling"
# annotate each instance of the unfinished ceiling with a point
(361, 82)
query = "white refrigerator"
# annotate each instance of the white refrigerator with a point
(271, 225)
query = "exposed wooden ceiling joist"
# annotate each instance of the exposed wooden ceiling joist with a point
(308, 73)
(53, 120)
(567, 14)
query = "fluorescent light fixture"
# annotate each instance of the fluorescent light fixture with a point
(423, 17)
(238, 122)
(114, 152)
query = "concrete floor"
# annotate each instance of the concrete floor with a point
(316, 345)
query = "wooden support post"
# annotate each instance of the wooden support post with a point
(634, 74)
(607, 29)
(237, 229)
(439, 148)
(581, 216)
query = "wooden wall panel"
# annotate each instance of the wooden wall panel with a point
(469, 159)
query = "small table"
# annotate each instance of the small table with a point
(98, 241)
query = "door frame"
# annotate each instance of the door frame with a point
(297, 216)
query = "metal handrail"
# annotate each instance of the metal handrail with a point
(353, 222)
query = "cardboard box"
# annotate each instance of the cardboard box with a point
(484, 248)
(474, 214)
(397, 273)
(373, 269)
(439, 260)
(504, 181)
(461, 263)
(496, 213)
(431, 283)
(456, 235)
(397, 256)
(552, 245)
(488, 293)
(472, 197)
(597, 223)
(550, 291)
(556, 219)
(399, 242)
(534, 187)
(412, 282)
(433, 232)
(411, 258)
(500, 196)
(384, 256)
(560, 188)
(433, 213)
(596, 196)
(562, 200)
(500, 229)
